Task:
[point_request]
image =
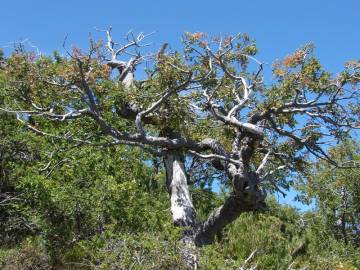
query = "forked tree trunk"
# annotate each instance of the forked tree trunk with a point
(246, 197)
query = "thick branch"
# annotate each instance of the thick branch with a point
(227, 213)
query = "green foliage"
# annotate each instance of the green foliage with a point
(31, 254)
(272, 235)
(283, 239)
(68, 205)
(129, 251)
(337, 192)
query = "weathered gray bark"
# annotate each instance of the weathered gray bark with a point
(126, 71)
(128, 79)
(182, 209)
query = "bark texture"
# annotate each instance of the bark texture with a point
(182, 209)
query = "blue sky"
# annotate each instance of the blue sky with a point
(279, 26)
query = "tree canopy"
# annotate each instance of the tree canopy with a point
(97, 130)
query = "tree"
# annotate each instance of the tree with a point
(206, 110)
(336, 193)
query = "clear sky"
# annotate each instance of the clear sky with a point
(279, 26)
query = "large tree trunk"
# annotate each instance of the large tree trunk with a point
(182, 209)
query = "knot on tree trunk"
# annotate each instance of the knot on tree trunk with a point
(245, 186)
